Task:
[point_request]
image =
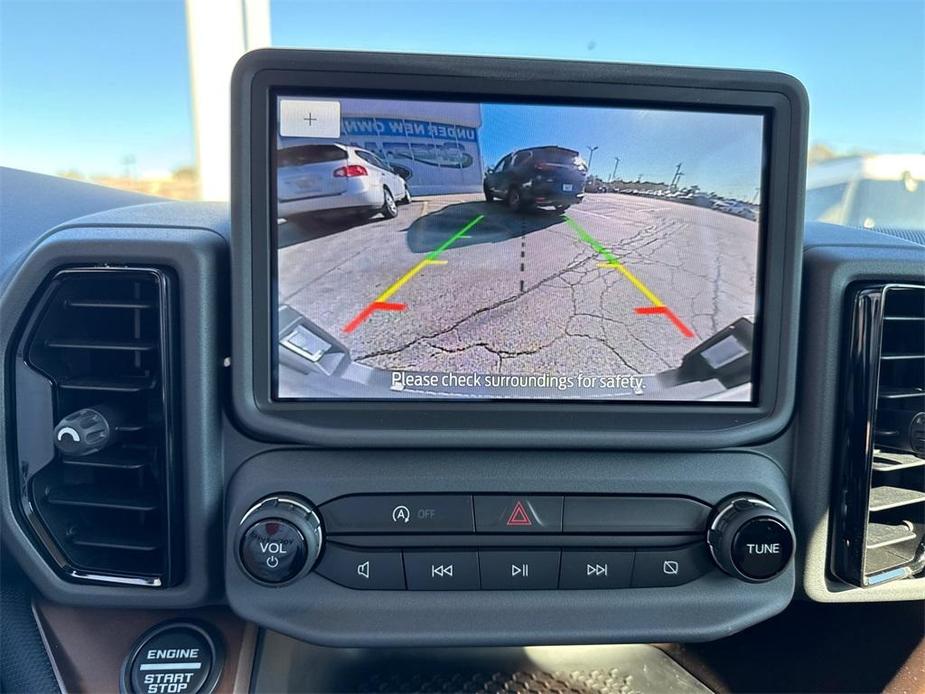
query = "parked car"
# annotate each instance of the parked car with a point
(738, 208)
(316, 178)
(538, 176)
(886, 190)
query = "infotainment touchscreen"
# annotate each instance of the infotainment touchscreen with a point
(486, 251)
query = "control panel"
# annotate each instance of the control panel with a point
(386, 547)
(465, 542)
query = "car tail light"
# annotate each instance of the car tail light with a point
(350, 171)
(544, 166)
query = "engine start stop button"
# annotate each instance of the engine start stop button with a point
(174, 658)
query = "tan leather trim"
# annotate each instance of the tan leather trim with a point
(911, 676)
(246, 659)
(54, 666)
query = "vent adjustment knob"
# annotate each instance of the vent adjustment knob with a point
(750, 539)
(85, 431)
(279, 539)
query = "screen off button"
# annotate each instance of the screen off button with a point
(309, 118)
(670, 567)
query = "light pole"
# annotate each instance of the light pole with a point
(677, 176)
(616, 163)
(591, 151)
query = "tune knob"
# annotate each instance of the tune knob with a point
(750, 539)
(279, 539)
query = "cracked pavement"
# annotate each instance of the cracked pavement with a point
(521, 293)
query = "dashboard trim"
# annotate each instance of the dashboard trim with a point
(25, 334)
(195, 254)
(836, 258)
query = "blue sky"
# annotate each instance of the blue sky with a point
(85, 84)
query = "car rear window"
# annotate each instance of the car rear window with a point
(310, 154)
(557, 155)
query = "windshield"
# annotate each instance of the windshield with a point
(134, 94)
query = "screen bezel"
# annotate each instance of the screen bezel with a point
(260, 76)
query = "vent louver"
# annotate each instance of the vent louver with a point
(102, 337)
(880, 493)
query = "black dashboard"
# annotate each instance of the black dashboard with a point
(148, 462)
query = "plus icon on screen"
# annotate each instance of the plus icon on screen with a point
(308, 118)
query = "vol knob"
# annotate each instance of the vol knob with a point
(279, 539)
(749, 539)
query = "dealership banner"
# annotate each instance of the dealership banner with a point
(439, 157)
(433, 145)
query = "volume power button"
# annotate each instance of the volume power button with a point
(279, 539)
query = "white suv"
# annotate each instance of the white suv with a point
(877, 191)
(323, 177)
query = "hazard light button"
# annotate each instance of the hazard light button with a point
(518, 514)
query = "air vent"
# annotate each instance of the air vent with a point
(102, 338)
(879, 529)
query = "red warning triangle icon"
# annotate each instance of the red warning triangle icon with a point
(519, 516)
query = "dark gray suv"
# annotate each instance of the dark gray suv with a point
(538, 176)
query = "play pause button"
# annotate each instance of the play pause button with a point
(589, 569)
(519, 570)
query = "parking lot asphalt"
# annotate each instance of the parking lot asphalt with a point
(617, 284)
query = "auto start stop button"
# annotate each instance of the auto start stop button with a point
(174, 658)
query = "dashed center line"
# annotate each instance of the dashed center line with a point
(523, 254)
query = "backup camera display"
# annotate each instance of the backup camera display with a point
(475, 251)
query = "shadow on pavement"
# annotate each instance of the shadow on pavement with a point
(428, 232)
(309, 228)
